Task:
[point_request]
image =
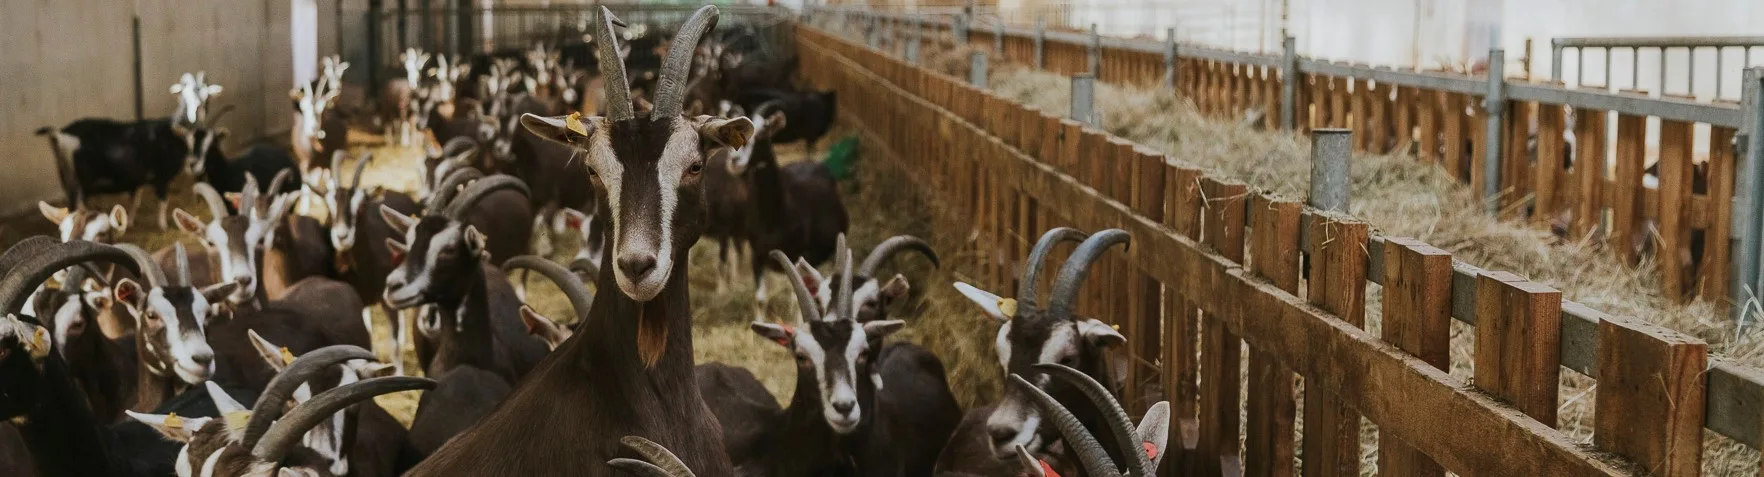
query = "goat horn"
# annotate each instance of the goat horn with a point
(275, 396)
(482, 188)
(584, 267)
(1071, 277)
(449, 187)
(275, 188)
(360, 167)
(96, 274)
(1114, 417)
(457, 146)
(183, 265)
(216, 208)
(842, 308)
(660, 461)
(1037, 260)
(671, 89)
(25, 249)
(218, 114)
(44, 260)
(1090, 452)
(811, 309)
(893, 245)
(290, 429)
(612, 67)
(567, 281)
(145, 263)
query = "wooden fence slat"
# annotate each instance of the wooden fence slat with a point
(1452, 119)
(1713, 272)
(1359, 108)
(1649, 403)
(1518, 338)
(1626, 208)
(1337, 285)
(1589, 165)
(1417, 319)
(1183, 215)
(1274, 255)
(1144, 345)
(1516, 161)
(1549, 163)
(1221, 350)
(1477, 148)
(1379, 118)
(1675, 191)
(1427, 123)
(1338, 99)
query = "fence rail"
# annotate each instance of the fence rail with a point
(1447, 118)
(1215, 267)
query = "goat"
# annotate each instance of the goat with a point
(233, 239)
(499, 206)
(727, 196)
(172, 319)
(262, 162)
(318, 130)
(1137, 450)
(646, 170)
(795, 209)
(361, 441)
(593, 233)
(103, 368)
(355, 219)
(103, 156)
(870, 295)
(87, 225)
(1033, 335)
(193, 92)
(811, 113)
(395, 108)
(265, 444)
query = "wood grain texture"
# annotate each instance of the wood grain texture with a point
(1648, 406)
(1518, 338)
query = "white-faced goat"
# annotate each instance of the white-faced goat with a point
(193, 92)
(233, 240)
(85, 224)
(103, 156)
(646, 170)
(870, 295)
(171, 323)
(362, 441)
(1033, 333)
(267, 442)
(1136, 450)
(796, 209)
(358, 236)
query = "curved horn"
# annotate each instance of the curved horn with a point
(671, 88)
(480, 189)
(448, 189)
(216, 117)
(24, 249)
(584, 267)
(612, 67)
(1114, 417)
(894, 245)
(360, 167)
(275, 396)
(216, 207)
(33, 269)
(183, 265)
(1037, 260)
(457, 146)
(289, 430)
(811, 309)
(1090, 452)
(275, 187)
(1071, 277)
(147, 266)
(842, 308)
(661, 462)
(567, 281)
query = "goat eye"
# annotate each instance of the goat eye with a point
(696, 168)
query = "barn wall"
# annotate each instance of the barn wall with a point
(69, 59)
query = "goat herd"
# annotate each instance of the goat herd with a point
(119, 361)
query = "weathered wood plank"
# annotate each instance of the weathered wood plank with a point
(1589, 165)
(1714, 271)
(1649, 403)
(1518, 337)
(1337, 285)
(1221, 350)
(1549, 164)
(1675, 190)
(1274, 255)
(1626, 209)
(1417, 319)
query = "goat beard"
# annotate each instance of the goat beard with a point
(652, 333)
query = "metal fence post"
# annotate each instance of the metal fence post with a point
(1749, 213)
(1330, 178)
(1556, 60)
(1084, 99)
(958, 26)
(998, 37)
(1290, 78)
(1040, 41)
(1095, 52)
(1170, 58)
(915, 33)
(1495, 104)
(977, 69)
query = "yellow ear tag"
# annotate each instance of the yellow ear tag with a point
(1008, 306)
(172, 421)
(1116, 327)
(287, 357)
(39, 345)
(236, 420)
(574, 123)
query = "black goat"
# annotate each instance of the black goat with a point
(1137, 450)
(104, 156)
(363, 440)
(561, 420)
(261, 163)
(795, 209)
(811, 113)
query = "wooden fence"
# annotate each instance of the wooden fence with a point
(1441, 118)
(1214, 271)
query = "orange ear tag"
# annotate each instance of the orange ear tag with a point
(574, 123)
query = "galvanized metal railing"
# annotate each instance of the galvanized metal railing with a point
(1663, 49)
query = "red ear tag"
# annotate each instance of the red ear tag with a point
(1151, 450)
(789, 333)
(1047, 470)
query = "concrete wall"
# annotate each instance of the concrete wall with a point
(64, 60)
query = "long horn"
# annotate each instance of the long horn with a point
(657, 461)
(612, 68)
(360, 167)
(457, 146)
(842, 308)
(289, 430)
(183, 265)
(480, 189)
(671, 89)
(216, 208)
(33, 269)
(1038, 259)
(1071, 277)
(25, 249)
(449, 188)
(216, 117)
(275, 396)
(811, 309)
(147, 266)
(275, 187)
(894, 245)
(1118, 423)
(567, 281)
(1090, 452)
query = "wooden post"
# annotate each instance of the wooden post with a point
(1417, 319)
(1274, 254)
(1359, 112)
(1427, 119)
(1627, 206)
(1183, 215)
(1549, 162)
(1649, 403)
(1714, 272)
(1221, 350)
(1515, 167)
(1338, 286)
(1589, 165)
(1675, 192)
(1452, 119)
(1518, 340)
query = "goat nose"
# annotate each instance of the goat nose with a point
(844, 407)
(637, 265)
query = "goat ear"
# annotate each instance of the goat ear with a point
(370, 369)
(1154, 431)
(176, 428)
(119, 218)
(732, 133)
(811, 277)
(130, 294)
(896, 288)
(188, 223)
(775, 122)
(575, 219)
(235, 199)
(53, 213)
(218, 292)
(989, 303)
(883, 328)
(783, 335)
(1099, 334)
(543, 328)
(475, 240)
(277, 357)
(224, 402)
(397, 251)
(400, 223)
(562, 129)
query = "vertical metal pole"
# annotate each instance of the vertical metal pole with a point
(1556, 60)
(1330, 165)
(1289, 74)
(916, 32)
(1084, 98)
(1750, 210)
(1170, 58)
(998, 37)
(1095, 52)
(1496, 106)
(977, 69)
(1040, 41)
(959, 29)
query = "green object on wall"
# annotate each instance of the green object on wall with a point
(842, 158)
